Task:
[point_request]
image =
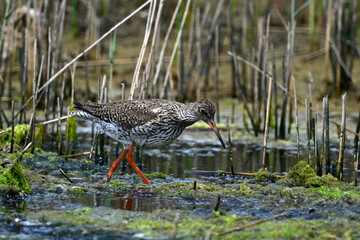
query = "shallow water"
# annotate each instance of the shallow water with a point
(195, 150)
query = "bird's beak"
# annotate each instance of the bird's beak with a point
(216, 130)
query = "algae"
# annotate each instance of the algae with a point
(156, 175)
(14, 177)
(20, 133)
(302, 174)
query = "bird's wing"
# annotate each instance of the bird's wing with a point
(127, 114)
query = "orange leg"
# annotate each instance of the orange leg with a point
(131, 162)
(116, 163)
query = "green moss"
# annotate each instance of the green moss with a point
(78, 189)
(116, 184)
(302, 174)
(262, 175)
(14, 177)
(20, 132)
(287, 192)
(244, 189)
(156, 175)
(335, 192)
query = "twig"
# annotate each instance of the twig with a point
(19, 157)
(66, 176)
(253, 224)
(221, 172)
(76, 155)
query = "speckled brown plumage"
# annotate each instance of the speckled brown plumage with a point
(148, 122)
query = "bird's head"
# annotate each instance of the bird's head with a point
(205, 111)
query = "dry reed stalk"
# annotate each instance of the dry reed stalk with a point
(198, 52)
(267, 122)
(52, 121)
(327, 38)
(59, 136)
(67, 132)
(243, 43)
(316, 146)
(154, 41)
(162, 52)
(356, 166)
(296, 120)
(265, 60)
(33, 119)
(12, 127)
(257, 82)
(307, 113)
(322, 151)
(252, 77)
(273, 73)
(338, 29)
(217, 74)
(175, 47)
(135, 80)
(340, 164)
(310, 82)
(24, 76)
(229, 155)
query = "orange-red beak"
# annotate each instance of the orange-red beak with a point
(216, 131)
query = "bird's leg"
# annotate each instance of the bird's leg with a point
(131, 162)
(116, 163)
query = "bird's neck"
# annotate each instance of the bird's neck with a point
(188, 116)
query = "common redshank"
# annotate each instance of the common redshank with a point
(145, 123)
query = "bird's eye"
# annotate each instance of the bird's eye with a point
(202, 111)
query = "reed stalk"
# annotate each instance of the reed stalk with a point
(273, 74)
(356, 166)
(340, 164)
(135, 80)
(307, 110)
(162, 51)
(296, 120)
(12, 127)
(111, 57)
(166, 79)
(59, 136)
(267, 121)
(217, 74)
(229, 155)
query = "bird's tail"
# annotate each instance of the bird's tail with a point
(85, 110)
